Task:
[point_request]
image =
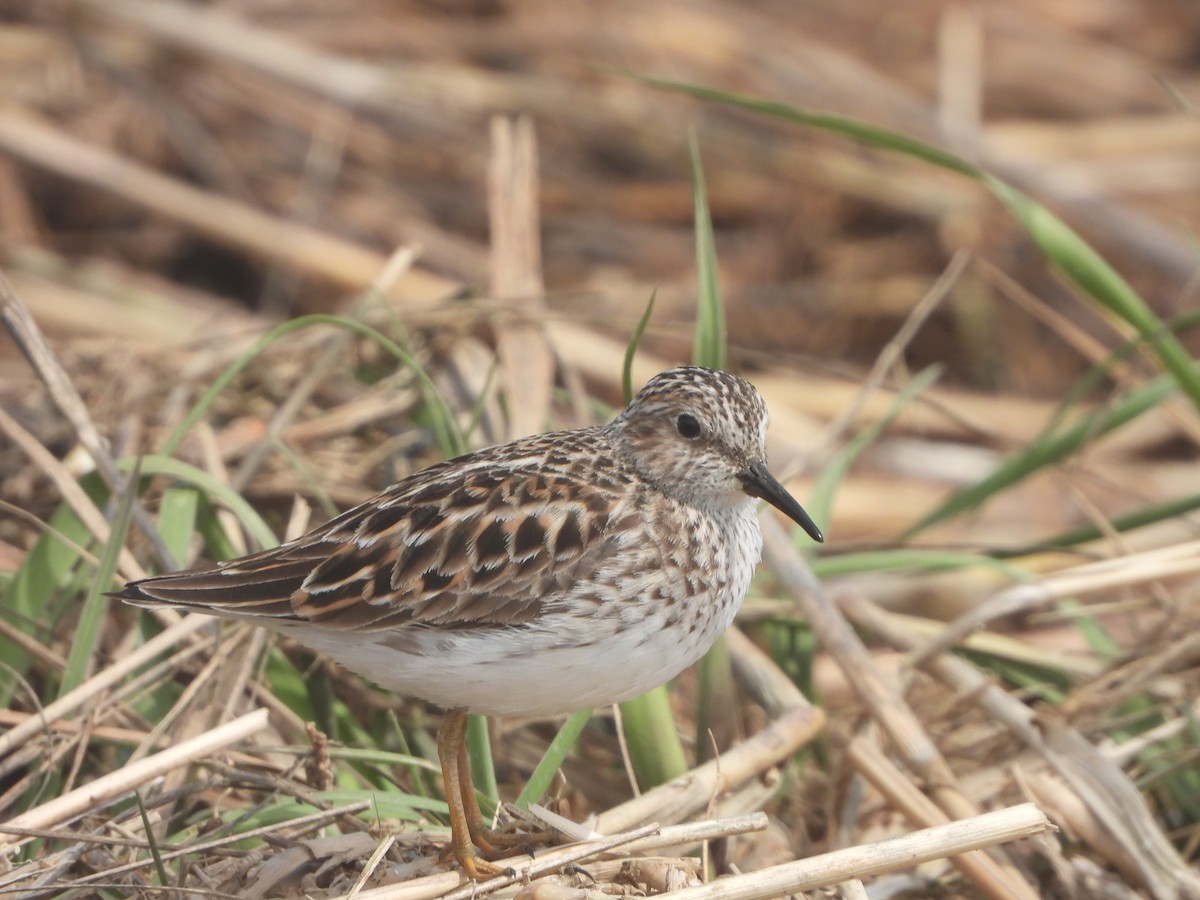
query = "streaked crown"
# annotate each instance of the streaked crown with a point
(691, 431)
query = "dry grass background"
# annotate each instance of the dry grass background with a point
(177, 178)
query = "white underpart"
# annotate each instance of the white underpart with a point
(565, 661)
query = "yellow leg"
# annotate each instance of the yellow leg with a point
(471, 812)
(465, 818)
(490, 841)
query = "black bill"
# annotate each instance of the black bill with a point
(758, 482)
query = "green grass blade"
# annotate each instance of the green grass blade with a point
(483, 772)
(911, 559)
(217, 490)
(309, 478)
(475, 420)
(25, 602)
(441, 420)
(1050, 449)
(1147, 515)
(844, 125)
(716, 701)
(177, 514)
(418, 773)
(835, 472)
(367, 754)
(543, 774)
(289, 684)
(155, 853)
(654, 745)
(385, 805)
(95, 604)
(631, 348)
(212, 531)
(1084, 266)
(709, 347)
(1103, 644)
(1065, 249)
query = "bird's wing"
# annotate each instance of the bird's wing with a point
(451, 546)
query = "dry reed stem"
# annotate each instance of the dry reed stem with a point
(71, 492)
(114, 785)
(901, 794)
(338, 261)
(1123, 571)
(200, 705)
(31, 645)
(691, 792)
(118, 304)
(1119, 806)
(1076, 665)
(101, 681)
(66, 397)
(208, 699)
(373, 862)
(654, 875)
(763, 680)
(1104, 788)
(879, 694)
(952, 839)
(526, 360)
(891, 355)
(111, 733)
(218, 35)
(436, 885)
(965, 679)
(960, 73)
(292, 827)
(648, 838)
(93, 708)
(886, 705)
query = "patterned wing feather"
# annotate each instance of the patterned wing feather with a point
(473, 542)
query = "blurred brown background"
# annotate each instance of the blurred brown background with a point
(172, 173)
(176, 178)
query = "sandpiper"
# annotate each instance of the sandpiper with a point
(553, 573)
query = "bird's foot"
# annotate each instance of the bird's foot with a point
(477, 868)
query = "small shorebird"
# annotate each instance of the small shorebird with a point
(553, 573)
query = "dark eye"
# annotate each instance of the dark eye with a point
(688, 425)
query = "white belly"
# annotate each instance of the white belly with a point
(578, 655)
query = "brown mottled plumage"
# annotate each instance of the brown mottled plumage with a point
(557, 572)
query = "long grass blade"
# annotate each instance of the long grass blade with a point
(442, 421)
(709, 347)
(654, 745)
(177, 514)
(217, 490)
(25, 601)
(1050, 449)
(631, 348)
(155, 853)
(543, 774)
(1061, 245)
(835, 472)
(91, 617)
(483, 771)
